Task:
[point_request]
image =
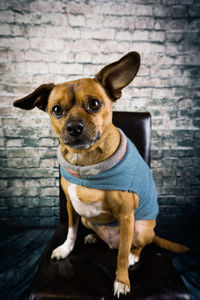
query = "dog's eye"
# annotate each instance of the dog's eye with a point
(94, 104)
(57, 111)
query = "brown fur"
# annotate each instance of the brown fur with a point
(74, 97)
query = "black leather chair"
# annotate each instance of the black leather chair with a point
(89, 271)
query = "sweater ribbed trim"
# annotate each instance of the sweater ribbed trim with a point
(87, 171)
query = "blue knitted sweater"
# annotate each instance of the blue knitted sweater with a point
(130, 173)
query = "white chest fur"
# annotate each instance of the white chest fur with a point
(87, 210)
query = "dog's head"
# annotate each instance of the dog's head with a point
(81, 111)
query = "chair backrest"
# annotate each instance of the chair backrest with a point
(137, 126)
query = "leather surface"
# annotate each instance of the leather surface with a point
(89, 271)
(137, 126)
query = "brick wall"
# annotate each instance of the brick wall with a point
(54, 41)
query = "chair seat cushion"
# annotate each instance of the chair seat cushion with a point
(89, 273)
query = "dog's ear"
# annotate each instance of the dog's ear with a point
(38, 98)
(114, 77)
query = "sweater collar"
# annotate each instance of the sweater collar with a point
(92, 170)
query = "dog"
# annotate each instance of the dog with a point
(103, 188)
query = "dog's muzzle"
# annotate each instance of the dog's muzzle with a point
(78, 136)
(75, 127)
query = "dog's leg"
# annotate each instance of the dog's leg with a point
(91, 238)
(65, 249)
(143, 235)
(122, 283)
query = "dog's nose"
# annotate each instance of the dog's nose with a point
(75, 127)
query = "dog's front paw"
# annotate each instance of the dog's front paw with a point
(60, 253)
(120, 289)
(91, 238)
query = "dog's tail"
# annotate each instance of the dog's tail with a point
(168, 245)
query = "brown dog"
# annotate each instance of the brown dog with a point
(81, 115)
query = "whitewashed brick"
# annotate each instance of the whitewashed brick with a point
(32, 183)
(2, 142)
(31, 191)
(144, 23)
(103, 58)
(150, 59)
(7, 16)
(162, 93)
(144, 10)
(41, 6)
(193, 60)
(180, 60)
(49, 191)
(47, 163)
(47, 182)
(1, 132)
(75, 8)
(111, 22)
(86, 45)
(166, 60)
(14, 143)
(124, 35)
(20, 43)
(76, 20)
(144, 71)
(56, 18)
(157, 36)
(120, 8)
(146, 92)
(44, 44)
(54, 68)
(34, 68)
(4, 183)
(148, 48)
(90, 70)
(174, 36)
(161, 11)
(128, 22)
(3, 56)
(15, 163)
(106, 34)
(33, 55)
(5, 29)
(16, 192)
(72, 69)
(116, 46)
(83, 57)
(73, 33)
(141, 35)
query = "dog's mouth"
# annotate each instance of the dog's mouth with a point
(81, 143)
